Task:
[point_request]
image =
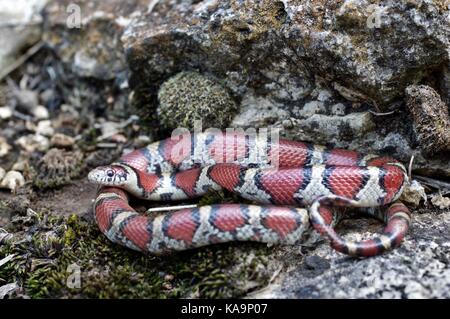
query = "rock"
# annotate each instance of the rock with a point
(311, 108)
(5, 112)
(190, 96)
(259, 112)
(440, 201)
(12, 180)
(62, 141)
(418, 268)
(40, 112)
(33, 142)
(91, 46)
(431, 118)
(9, 289)
(413, 194)
(27, 100)
(4, 147)
(276, 47)
(20, 27)
(45, 128)
(2, 173)
(325, 129)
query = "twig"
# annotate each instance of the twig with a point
(410, 167)
(169, 208)
(381, 114)
(22, 59)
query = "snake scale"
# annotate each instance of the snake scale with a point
(305, 175)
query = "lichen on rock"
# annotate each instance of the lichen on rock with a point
(431, 118)
(57, 167)
(190, 96)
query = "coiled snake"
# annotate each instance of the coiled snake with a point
(305, 175)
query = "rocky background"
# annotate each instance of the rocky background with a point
(84, 81)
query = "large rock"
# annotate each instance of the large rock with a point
(276, 47)
(20, 27)
(302, 66)
(417, 269)
(86, 35)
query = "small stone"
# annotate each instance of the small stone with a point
(21, 165)
(62, 141)
(4, 147)
(5, 112)
(12, 180)
(41, 112)
(27, 99)
(45, 128)
(31, 143)
(2, 173)
(413, 194)
(440, 201)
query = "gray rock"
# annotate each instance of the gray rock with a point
(418, 269)
(275, 47)
(90, 46)
(20, 27)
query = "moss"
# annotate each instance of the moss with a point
(48, 252)
(57, 167)
(190, 96)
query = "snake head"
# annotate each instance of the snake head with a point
(111, 175)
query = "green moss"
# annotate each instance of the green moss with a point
(47, 252)
(190, 96)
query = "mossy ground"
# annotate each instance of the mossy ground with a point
(49, 249)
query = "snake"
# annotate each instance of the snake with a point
(292, 187)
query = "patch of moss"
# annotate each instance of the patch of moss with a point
(190, 96)
(57, 167)
(49, 253)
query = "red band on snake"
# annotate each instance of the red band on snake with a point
(282, 174)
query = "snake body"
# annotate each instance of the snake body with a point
(284, 175)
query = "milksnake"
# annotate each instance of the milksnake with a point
(282, 174)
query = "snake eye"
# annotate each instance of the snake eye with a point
(110, 173)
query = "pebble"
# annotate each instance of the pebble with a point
(45, 128)
(40, 112)
(27, 99)
(12, 180)
(20, 166)
(31, 143)
(4, 147)
(60, 140)
(5, 112)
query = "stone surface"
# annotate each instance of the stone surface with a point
(309, 67)
(418, 269)
(431, 119)
(20, 27)
(275, 46)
